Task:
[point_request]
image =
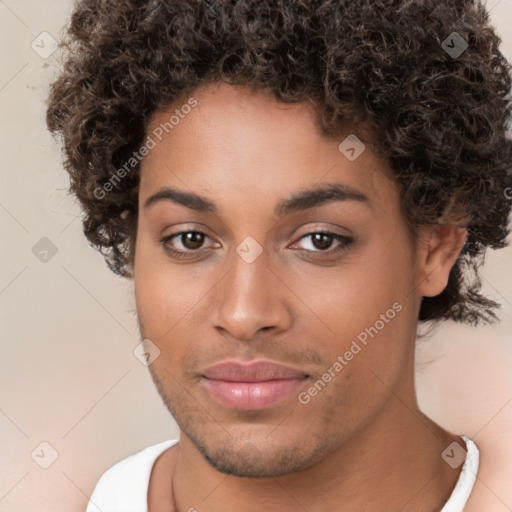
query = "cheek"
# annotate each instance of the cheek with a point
(163, 302)
(167, 295)
(353, 296)
(155, 290)
(365, 310)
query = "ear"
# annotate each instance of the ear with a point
(439, 247)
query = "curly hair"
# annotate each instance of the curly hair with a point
(440, 119)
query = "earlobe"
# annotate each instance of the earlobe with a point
(440, 246)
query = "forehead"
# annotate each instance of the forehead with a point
(235, 139)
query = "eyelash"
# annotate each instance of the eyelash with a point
(345, 242)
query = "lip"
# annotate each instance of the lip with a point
(251, 386)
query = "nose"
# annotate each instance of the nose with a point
(251, 299)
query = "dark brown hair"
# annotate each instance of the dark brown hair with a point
(438, 116)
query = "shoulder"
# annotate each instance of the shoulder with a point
(467, 477)
(125, 485)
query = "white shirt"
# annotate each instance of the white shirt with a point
(124, 487)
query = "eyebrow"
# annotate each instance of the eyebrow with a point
(301, 200)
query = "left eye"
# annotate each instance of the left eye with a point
(321, 241)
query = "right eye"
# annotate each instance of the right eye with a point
(189, 243)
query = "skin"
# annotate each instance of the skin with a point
(362, 440)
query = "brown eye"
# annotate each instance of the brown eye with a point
(321, 242)
(192, 239)
(184, 244)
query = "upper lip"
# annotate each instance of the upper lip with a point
(258, 371)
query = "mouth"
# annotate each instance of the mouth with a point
(251, 386)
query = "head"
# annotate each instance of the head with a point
(300, 183)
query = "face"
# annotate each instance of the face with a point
(259, 243)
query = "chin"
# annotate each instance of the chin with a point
(264, 458)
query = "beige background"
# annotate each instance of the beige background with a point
(68, 374)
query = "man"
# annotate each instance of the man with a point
(291, 187)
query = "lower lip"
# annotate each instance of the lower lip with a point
(251, 395)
